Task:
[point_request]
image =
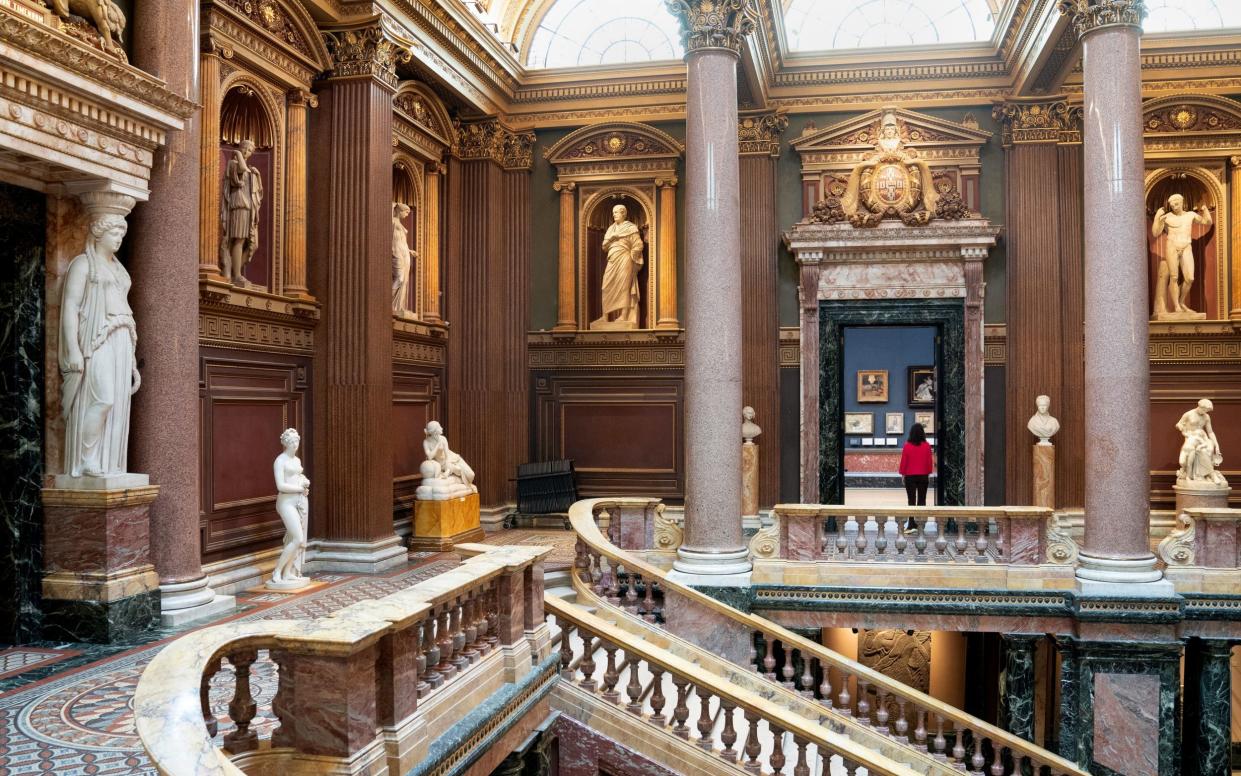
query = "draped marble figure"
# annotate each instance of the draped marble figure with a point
(98, 341)
(401, 259)
(243, 196)
(623, 244)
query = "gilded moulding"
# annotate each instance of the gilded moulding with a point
(365, 51)
(759, 134)
(1045, 121)
(489, 139)
(1090, 15)
(714, 24)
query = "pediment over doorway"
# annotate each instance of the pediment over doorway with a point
(845, 143)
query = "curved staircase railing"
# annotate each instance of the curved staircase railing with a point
(938, 729)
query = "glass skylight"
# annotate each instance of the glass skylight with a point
(1190, 15)
(815, 25)
(576, 33)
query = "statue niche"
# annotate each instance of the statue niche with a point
(1181, 249)
(404, 241)
(247, 158)
(617, 271)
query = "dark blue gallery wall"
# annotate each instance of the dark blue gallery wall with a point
(894, 348)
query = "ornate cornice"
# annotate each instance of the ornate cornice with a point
(1090, 15)
(714, 24)
(759, 133)
(489, 139)
(1044, 121)
(365, 51)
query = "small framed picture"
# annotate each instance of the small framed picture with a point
(894, 423)
(872, 386)
(927, 419)
(859, 423)
(921, 386)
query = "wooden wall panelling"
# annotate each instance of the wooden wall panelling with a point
(416, 392)
(1071, 410)
(1176, 389)
(247, 399)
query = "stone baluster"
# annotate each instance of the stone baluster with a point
(610, 675)
(803, 765)
(423, 686)
(881, 711)
(940, 743)
(777, 749)
(242, 707)
(753, 747)
(566, 649)
(587, 665)
(204, 697)
(657, 696)
(825, 687)
(680, 712)
(728, 736)
(863, 701)
(705, 722)
(633, 690)
(460, 660)
(444, 640)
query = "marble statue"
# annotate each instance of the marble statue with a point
(1042, 424)
(243, 197)
(1200, 453)
(749, 429)
(623, 244)
(445, 475)
(293, 506)
(98, 365)
(1176, 272)
(104, 14)
(891, 181)
(401, 259)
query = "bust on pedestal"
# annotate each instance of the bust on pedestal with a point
(446, 508)
(749, 463)
(1198, 481)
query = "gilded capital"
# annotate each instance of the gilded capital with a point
(365, 51)
(1090, 15)
(300, 98)
(564, 187)
(714, 24)
(489, 139)
(1042, 121)
(759, 133)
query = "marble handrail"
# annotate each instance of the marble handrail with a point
(642, 658)
(1206, 537)
(1023, 536)
(594, 546)
(338, 687)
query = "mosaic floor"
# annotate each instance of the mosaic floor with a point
(67, 708)
(564, 543)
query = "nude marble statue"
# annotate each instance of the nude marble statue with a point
(1042, 424)
(623, 244)
(401, 259)
(98, 365)
(293, 506)
(445, 474)
(1175, 276)
(243, 196)
(1200, 453)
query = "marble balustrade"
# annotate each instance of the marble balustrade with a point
(363, 690)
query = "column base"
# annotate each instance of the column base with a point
(357, 557)
(492, 518)
(1127, 578)
(184, 602)
(100, 622)
(727, 568)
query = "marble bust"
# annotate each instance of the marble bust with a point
(749, 429)
(445, 474)
(623, 244)
(401, 259)
(1200, 453)
(1175, 276)
(243, 197)
(293, 506)
(1042, 424)
(97, 355)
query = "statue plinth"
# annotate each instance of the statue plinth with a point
(1200, 494)
(1186, 315)
(438, 525)
(1044, 470)
(602, 325)
(122, 481)
(749, 479)
(286, 585)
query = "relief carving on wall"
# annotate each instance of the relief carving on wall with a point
(97, 22)
(901, 655)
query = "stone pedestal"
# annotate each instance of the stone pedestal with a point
(99, 584)
(749, 479)
(1043, 461)
(438, 525)
(1202, 495)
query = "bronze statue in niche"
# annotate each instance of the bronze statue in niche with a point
(239, 214)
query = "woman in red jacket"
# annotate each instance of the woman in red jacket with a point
(917, 463)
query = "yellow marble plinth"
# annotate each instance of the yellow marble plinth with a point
(1044, 460)
(749, 479)
(438, 525)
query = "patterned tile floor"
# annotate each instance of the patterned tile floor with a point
(70, 709)
(562, 542)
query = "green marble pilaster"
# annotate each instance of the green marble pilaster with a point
(1208, 708)
(1017, 685)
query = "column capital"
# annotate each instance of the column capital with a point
(365, 51)
(564, 187)
(301, 98)
(666, 183)
(714, 24)
(759, 133)
(1090, 15)
(489, 139)
(1045, 120)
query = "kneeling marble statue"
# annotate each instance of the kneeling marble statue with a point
(445, 475)
(1200, 453)
(293, 506)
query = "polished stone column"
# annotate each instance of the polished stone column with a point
(1117, 385)
(714, 551)
(1208, 708)
(1017, 685)
(430, 259)
(300, 102)
(566, 315)
(1235, 179)
(209, 161)
(667, 254)
(164, 263)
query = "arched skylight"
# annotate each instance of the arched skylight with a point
(814, 25)
(1189, 15)
(605, 32)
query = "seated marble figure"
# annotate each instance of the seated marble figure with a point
(445, 474)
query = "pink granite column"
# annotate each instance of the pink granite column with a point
(1117, 385)
(164, 264)
(714, 545)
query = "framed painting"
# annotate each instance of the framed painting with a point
(872, 386)
(859, 423)
(922, 386)
(927, 419)
(894, 423)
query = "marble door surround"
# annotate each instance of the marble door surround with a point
(842, 265)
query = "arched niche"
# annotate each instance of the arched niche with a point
(1199, 188)
(598, 217)
(246, 113)
(407, 190)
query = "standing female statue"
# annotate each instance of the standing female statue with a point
(98, 340)
(623, 244)
(243, 196)
(293, 506)
(400, 259)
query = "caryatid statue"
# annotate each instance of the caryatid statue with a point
(98, 363)
(623, 244)
(243, 196)
(1176, 272)
(1200, 453)
(401, 259)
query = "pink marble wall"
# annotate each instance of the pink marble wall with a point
(66, 238)
(874, 462)
(1126, 723)
(328, 708)
(583, 752)
(700, 625)
(96, 539)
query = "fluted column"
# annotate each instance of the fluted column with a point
(350, 208)
(667, 254)
(714, 550)
(209, 161)
(1235, 312)
(430, 259)
(300, 102)
(1117, 384)
(566, 315)
(164, 262)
